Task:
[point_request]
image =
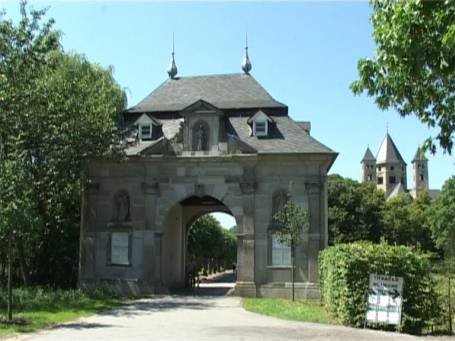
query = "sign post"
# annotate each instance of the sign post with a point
(385, 298)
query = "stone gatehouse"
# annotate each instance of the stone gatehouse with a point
(197, 145)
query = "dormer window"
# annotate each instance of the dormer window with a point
(260, 123)
(145, 126)
(260, 128)
(145, 132)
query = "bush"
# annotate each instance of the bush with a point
(344, 275)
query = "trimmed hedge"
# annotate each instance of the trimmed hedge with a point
(344, 271)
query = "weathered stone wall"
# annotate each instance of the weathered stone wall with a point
(158, 223)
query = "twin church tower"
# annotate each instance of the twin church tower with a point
(388, 170)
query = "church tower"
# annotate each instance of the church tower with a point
(419, 172)
(368, 167)
(390, 167)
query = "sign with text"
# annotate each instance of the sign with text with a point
(385, 297)
(120, 242)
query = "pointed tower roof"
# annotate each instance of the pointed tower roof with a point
(388, 152)
(368, 156)
(419, 155)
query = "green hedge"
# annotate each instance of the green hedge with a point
(344, 271)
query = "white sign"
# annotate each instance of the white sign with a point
(385, 297)
(120, 242)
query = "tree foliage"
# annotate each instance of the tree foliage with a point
(55, 109)
(358, 211)
(406, 221)
(442, 218)
(211, 244)
(293, 221)
(414, 68)
(355, 210)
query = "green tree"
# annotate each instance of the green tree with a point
(55, 110)
(414, 68)
(406, 221)
(355, 210)
(206, 240)
(293, 222)
(442, 219)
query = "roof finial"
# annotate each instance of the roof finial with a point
(387, 127)
(172, 69)
(246, 64)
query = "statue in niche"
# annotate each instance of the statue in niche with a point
(122, 206)
(200, 136)
(279, 200)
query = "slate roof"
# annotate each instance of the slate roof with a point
(399, 188)
(229, 91)
(285, 136)
(388, 152)
(368, 156)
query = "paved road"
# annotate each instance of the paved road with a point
(199, 317)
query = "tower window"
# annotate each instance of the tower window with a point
(392, 180)
(380, 180)
(379, 168)
(421, 177)
(392, 168)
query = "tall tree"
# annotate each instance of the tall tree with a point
(442, 219)
(414, 68)
(55, 109)
(293, 222)
(355, 210)
(206, 240)
(406, 221)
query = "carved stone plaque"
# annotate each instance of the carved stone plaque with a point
(120, 246)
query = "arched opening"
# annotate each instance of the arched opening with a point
(198, 250)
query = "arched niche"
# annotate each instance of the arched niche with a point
(200, 133)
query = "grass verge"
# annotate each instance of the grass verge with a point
(45, 307)
(307, 311)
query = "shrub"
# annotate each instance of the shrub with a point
(344, 274)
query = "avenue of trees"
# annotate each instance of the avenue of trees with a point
(213, 247)
(359, 211)
(55, 109)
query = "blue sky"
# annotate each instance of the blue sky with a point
(304, 53)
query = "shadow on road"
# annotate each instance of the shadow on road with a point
(219, 285)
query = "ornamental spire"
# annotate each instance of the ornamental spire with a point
(172, 69)
(246, 64)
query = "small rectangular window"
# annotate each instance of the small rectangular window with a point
(380, 180)
(370, 177)
(146, 132)
(260, 128)
(421, 177)
(392, 180)
(281, 253)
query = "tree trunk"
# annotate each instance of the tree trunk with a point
(10, 288)
(23, 263)
(292, 272)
